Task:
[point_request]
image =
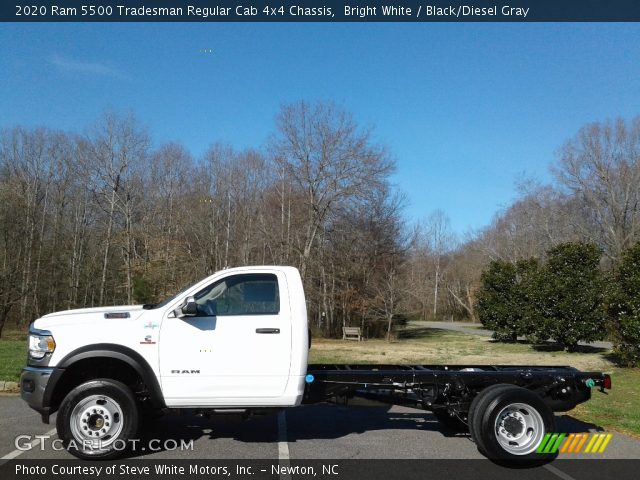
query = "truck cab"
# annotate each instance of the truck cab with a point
(237, 339)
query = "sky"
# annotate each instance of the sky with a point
(465, 109)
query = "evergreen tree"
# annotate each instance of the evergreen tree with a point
(623, 307)
(568, 295)
(503, 303)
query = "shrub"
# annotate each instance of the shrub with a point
(503, 301)
(567, 296)
(623, 307)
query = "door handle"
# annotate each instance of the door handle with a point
(267, 330)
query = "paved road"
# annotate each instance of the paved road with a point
(314, 432)
(470, 328)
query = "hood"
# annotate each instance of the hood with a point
(82, 317)
(82, 311)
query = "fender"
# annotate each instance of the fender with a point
(108, 350)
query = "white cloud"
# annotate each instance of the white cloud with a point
(84, 68)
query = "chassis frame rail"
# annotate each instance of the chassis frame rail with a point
(448, 387)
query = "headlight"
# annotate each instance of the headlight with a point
(40, 345)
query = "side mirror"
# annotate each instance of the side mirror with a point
(189, 309)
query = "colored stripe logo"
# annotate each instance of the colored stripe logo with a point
(574, 443)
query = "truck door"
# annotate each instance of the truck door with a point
(237, 346)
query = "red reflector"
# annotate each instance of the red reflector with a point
(607, 382)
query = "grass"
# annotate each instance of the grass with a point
(618, 410)
(434, 346)
(13, 353)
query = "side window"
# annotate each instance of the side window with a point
(252, 294)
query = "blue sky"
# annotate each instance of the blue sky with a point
(464, 108)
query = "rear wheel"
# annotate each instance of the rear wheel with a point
(509, 424)
(473, 408)
(98, 419)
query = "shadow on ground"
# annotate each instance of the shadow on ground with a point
(424, 333)
(556, 347)
(317, 422)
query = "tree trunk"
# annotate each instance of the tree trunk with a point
(107, 247)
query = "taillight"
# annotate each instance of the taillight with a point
(606, 383)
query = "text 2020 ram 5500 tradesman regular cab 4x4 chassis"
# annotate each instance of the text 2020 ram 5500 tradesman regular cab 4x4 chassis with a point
(238, 340)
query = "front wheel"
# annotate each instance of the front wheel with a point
(509, 425)
(98, 419)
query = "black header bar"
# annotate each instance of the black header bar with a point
(329, 469)
(319, 11)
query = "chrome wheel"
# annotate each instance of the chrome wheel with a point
(96, 422)
(519, 429)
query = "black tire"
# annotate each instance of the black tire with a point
(102, 413)
(509, 424)
(473, 408)
(452, 423)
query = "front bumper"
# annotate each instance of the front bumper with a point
(35, 389)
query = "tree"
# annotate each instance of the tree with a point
(169, 212)
(118, 149)
(503, 300)
(623, 307)
(568, 300)
(330, 160)
(389, 295)
(465, 268)
(103, 218)
(440, 241)
(10, 266)
(601, 167)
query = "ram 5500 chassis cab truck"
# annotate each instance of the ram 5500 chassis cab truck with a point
(238, 341)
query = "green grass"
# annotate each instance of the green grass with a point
(13, 356)
(619, 409)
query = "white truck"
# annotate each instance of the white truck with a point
(238, 340)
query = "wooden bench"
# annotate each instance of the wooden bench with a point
(352, 333)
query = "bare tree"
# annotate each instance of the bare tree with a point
(172, 170)
(389, 296)
(440, 241)
(601, 166)
(118, 149)
(329, 158)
